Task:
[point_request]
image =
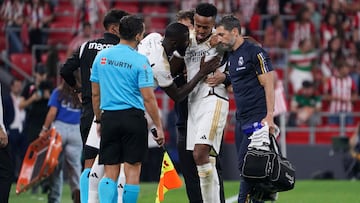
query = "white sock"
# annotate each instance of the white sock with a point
(206, 182)
(96, 173)
(121, 183)
(216, 181)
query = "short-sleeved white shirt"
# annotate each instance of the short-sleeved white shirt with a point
(152, 48)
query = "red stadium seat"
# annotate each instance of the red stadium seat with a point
(297, 137)
(65, 3)
(155, 9)
(130, 7)
(158, 25)
(158, 16)
(24, 62)
(63, 22)
(64, 9)
(60, 37)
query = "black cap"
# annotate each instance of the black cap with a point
(40, 68)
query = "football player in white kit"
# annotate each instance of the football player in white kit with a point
(159, 50)
(208, 105)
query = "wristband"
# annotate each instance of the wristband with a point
(97, 121)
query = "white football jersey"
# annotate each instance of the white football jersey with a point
(152, 48)
(192, 58)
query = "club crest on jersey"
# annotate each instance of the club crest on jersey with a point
(241, 61)
(103, 61)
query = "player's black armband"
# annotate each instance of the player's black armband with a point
(227, 81)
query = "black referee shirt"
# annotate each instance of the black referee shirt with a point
(84, 58)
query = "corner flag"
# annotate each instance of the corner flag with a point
(169, 178)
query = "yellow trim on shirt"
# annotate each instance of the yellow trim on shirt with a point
(215, 120)
(262, 63)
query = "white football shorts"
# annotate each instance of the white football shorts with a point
(93, 139)
(206, 122)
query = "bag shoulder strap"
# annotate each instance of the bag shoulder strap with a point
(274, 146)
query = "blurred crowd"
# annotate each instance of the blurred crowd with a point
(313, 44)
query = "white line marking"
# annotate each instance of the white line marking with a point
(232, 199)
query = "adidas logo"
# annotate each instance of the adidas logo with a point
(120, 186)
(203, 137)
(94, 175)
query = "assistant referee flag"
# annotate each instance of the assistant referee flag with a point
(169, 178)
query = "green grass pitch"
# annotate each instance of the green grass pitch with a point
(306, 191)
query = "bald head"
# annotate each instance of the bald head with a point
(176, 30)
(176, 37)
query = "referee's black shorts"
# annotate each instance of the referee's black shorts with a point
(86, 120)
(124, 137)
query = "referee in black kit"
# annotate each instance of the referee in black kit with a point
(83, 59)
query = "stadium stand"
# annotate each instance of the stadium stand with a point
(131, 7)
(24, 61)
(159, 16)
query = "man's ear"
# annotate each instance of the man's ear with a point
(234, 31)
(138, 37)
(114, 28)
